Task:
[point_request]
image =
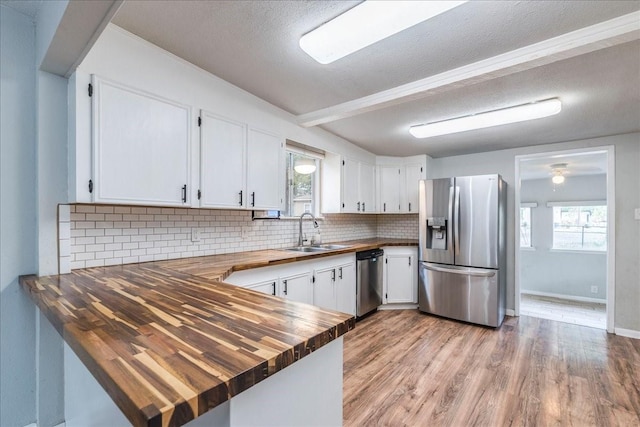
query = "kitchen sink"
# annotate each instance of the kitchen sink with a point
(318, 248)
(331, 247)
(306, 249)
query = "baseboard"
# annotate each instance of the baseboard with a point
(510, 312)
(562, 296)
(62, 424)
(398, 307)
(629, 333)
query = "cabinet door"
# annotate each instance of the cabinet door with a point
(413, 175)
(222, 162)
(297, 288)
(346, 288)
(324, 288)
(141, 147)
(389, 189)
(350, 176)
(265, 171)
(268, 287)
(367, 179)
(400, 279)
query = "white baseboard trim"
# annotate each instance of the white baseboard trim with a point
(62, 424)
(629, 333)
(510, 312)
(398, 307)
(562, 296)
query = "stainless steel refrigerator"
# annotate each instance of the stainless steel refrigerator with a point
(462, 270)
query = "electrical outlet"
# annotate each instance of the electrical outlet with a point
(594, 289)
(637, 213)
(245, 232)
(195, 235)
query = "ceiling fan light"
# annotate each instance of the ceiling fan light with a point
(558, 179)
(368, 23)
(519, 113)
(305, 166)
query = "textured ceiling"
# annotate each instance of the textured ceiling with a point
(594, 163)
(254, 45)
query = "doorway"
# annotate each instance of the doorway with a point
(565, 236)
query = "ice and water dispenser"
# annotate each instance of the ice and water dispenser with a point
(436, 233)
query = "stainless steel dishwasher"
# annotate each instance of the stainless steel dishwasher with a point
(369, 281)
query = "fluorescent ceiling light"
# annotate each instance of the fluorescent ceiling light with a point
(366, 24)
(520, 113)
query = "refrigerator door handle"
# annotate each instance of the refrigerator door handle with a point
(456, 221)
(464, 271)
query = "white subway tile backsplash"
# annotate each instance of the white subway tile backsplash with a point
(139, 234)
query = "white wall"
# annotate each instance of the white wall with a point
(18, 253)
(565, 273)
(627, 182)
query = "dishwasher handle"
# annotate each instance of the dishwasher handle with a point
(465, 271)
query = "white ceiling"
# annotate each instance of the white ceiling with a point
(254, 45)
(592, 163)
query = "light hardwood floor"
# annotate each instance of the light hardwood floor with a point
(405, 368)
(590, 314)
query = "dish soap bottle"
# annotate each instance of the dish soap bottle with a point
(317, 239)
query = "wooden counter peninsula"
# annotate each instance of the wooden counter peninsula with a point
(168, 342)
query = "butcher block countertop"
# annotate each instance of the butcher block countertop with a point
(169, 341)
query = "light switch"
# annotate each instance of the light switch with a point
(195, 235)
(637, 216)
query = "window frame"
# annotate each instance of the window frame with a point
(316, 179)
(579, 204)
(530, 206)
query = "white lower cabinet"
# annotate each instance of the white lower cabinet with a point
(346, 288)
(324, 288)
(328, 282)
(400, 275)
(270, 287)
(297, 287)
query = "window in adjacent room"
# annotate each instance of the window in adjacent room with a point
(579, 226)
(525, 224)
(302, 189)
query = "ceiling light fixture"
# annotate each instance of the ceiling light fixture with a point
(368, 23)
(519, 113)
(305, 166)
(559, 169)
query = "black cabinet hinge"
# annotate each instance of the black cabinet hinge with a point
(386, 296)
(343, 163)
(343, 205)
(199, 121)
(199, 194)
(386, 261)
(90, 186)
(420, 168)
(313, 279)
(90, 89)
(398, 171)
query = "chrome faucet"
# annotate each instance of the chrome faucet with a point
(315, 225)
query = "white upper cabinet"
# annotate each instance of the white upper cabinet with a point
(348, 185)
(390, 178)
(413, 173)
(223, 148)
(141, 147)
(398, 183)
(265, 171)
(350, 180)
(367, 187)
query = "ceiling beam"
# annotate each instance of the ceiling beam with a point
(595, 37)
(80, 26)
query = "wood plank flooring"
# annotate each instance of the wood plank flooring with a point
(590, 314)
(405, 368)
